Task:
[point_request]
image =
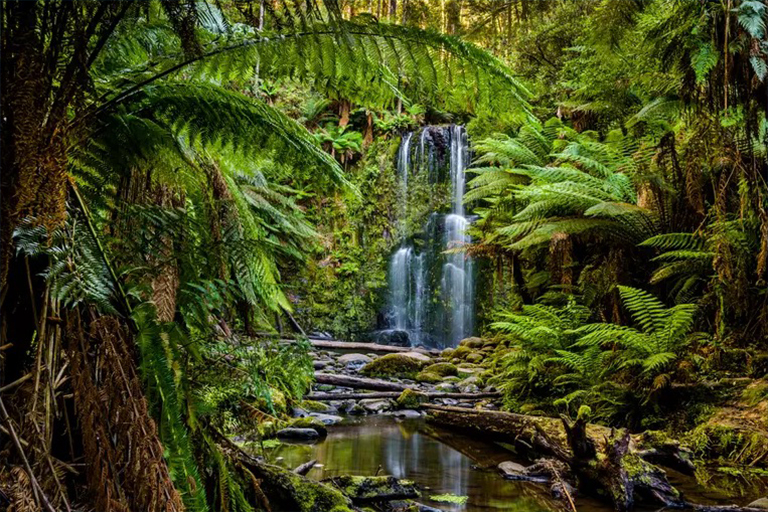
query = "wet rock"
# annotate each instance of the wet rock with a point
(512, 470)
(298, 434)
(327, 419)
(425, 508)
(447, 353)
(298, 412)
(446, 387)
(313, 406)
(356, 410)
(375, 406)
(448, 401)
(760, 503)
(469, 385)
(392, 337)
(418, 356)
(363, 489)
(319, 365)
(353, 360)
(407, 414)
(325, 387)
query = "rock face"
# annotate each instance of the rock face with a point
(298, 434)
(406, 364)
(366, 489)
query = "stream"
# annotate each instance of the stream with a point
(440, 462)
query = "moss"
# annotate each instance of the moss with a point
(393, 365)
(428, 377)
(310, 422)
(728, 444)
(473, 342)
(368, 488)
(447, 353)
(474, 357)
(312, 406)
(462, 351)
(410, 399)
(442, 369)
(315, 497)
(450, 498)
(755, 393)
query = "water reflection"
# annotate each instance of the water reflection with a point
(378, 444)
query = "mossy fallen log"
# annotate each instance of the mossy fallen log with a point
(325, 397)
(358, 382)
(583, 455)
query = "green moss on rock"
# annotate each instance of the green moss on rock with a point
(442, 369)
(411, 399)
(428, 377)
(393, 365)
(374, 488)
(310, 422)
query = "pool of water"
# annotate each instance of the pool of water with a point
(439, 461)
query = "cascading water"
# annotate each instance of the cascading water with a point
(431, 288)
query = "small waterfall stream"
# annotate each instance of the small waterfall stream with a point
(431, 282)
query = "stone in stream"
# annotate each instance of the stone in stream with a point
(319, 365)
(446, 387)
(327, 419)
(298, 412)
(405, 364)
(298, 434)
(410, 399)
(310, 422)
(406, 414)
(759, 503)
(512, 470)
(469, 385)
(356, 410)
(375, 405)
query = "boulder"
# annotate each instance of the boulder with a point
(319, 365)
(469, 385)
(512, 470)
(474, 357)
(429, 377)
(406, 414)
(375, 405)
(473, 342)
(298, 434)
(309, 422)
(356, 410)
(365, 489)
(327, 419)
(392, 337)
(353, 361)
(405, 364)
(442, 369)
(759, 503)
(410, 399)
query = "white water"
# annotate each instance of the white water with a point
(413, 289)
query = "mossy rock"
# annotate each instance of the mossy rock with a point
(447, 353)
(462, 351)
(393, 365)
(313, 406)
(442, 369)
(310, 422)
(473, 342)
(374, 488)
(288, 491)
(428, 377)
(474, 357)
(276, 403)
(411, 399)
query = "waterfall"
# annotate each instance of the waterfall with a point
(431, 287)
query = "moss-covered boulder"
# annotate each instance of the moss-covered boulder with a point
(461, 351)
(310, 422)
(474, 357)
(287, 490)
(366, 489)
(442, 369)
(447, 353)
(313, 406)
(394, 365)
(473, 342)
(411, 399)
(428, 377)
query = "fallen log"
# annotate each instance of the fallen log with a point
(357, 346)
(324, 397)
(596, 457)
(358, 382)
